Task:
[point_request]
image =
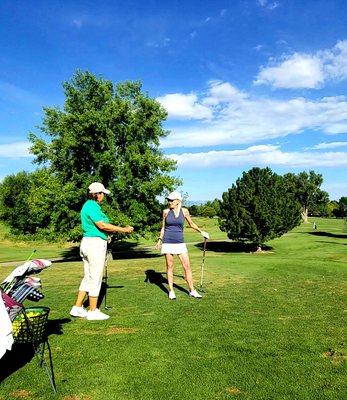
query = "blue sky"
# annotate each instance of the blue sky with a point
(245, 82)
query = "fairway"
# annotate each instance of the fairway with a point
(271, 325)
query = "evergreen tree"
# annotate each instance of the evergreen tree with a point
(258, 208)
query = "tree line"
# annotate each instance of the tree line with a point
(327, 209)
(111, 133)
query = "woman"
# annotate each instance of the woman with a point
(171, 241)
(95, 227)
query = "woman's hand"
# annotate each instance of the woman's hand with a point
(128, 229)
(158, 244)
(205, 235)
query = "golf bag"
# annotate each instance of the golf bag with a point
(19, 286)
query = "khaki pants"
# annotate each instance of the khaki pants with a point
(93, 253)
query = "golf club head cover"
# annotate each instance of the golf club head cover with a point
(16, 273)
(37, 265)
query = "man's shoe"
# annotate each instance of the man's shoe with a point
(96, 315)
(195, 294)
(172, 295)
(78, 312)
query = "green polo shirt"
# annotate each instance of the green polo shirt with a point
(90, 214)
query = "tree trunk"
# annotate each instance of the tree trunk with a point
(304, 214)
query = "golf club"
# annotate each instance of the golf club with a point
(9, 281)
(202, 267)
(105, 278)
(29, 258)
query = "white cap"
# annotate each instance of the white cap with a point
(174, 196)
(97, 187)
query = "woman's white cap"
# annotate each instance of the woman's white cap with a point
(174, 196)
(97, 187)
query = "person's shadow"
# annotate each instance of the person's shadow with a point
(102, 294)
(157, 278)
(22, 353)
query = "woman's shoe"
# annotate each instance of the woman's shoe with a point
(96, 315)
(172, 295)
(195, 294)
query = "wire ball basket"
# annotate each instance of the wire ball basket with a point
(31, 327)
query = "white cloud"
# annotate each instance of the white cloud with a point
(222, 92)
(336, 61)
(264, 155)
(229, 116)
(331, 145)
(184, 106)
(269, 5)
(15, 150)
(299, 71)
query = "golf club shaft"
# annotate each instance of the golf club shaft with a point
(105, 278)
(29, 258)
(203, 264)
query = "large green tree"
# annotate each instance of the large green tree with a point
(341, 209)
(209, 209)
(28, 202)
(14, 192)
(108, 133)
(306, 189)
(258, 208)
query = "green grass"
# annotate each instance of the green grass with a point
(271, 325)
(11, 250)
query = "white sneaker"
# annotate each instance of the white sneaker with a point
(195, 294)
(172, 295)
(96, 315)
(78, 312)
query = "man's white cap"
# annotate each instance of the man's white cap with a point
(97, 187)
(174, 196)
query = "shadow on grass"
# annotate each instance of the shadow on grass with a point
(21, 354)
(157, 278)
(329, 234)
(336, 243)
(129, 250)
(231, 247)
(105, 286)
(120, 251)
